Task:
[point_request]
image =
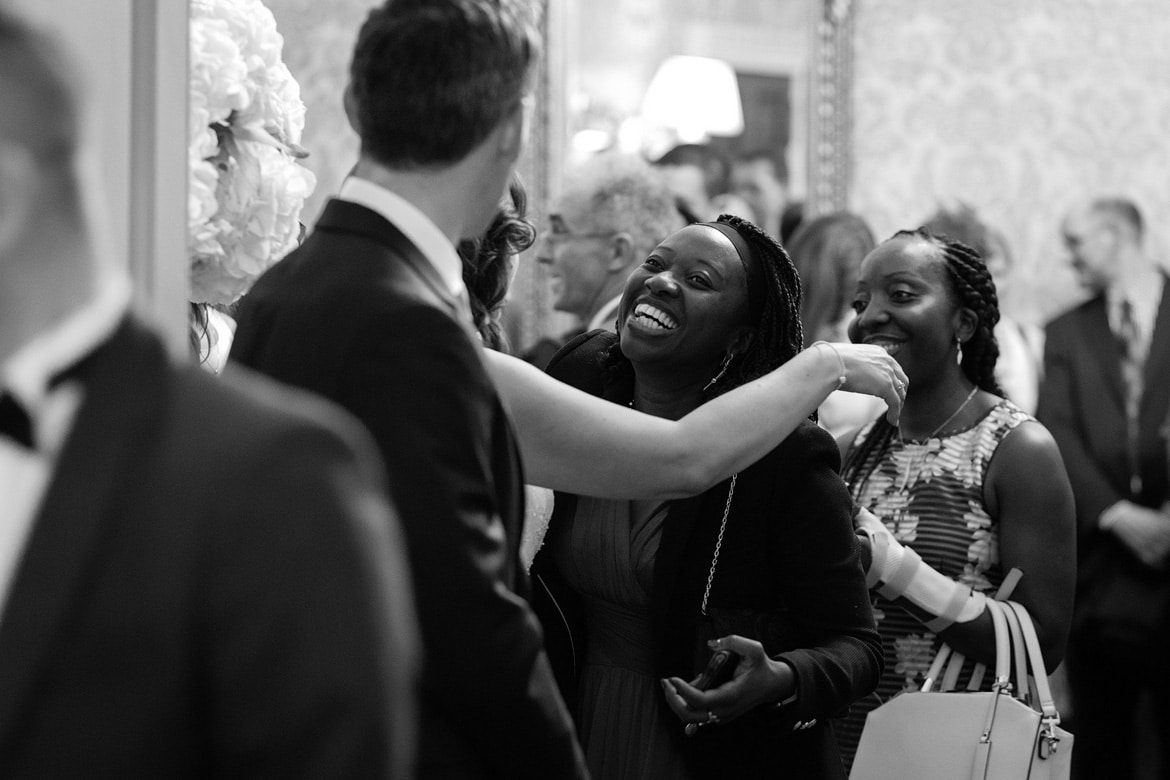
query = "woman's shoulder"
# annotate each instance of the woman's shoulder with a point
(580, 361)
(805, 448)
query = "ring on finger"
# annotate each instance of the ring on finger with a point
(712, 717)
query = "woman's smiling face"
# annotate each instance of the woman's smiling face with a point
(904, 303)
(686, 303)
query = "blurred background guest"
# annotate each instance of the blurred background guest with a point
(696, 174)
(827, 253)
(1105, 395)
(614, 209)
(760, 177)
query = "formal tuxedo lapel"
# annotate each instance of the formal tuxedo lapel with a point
(1101, 346)
(348, 217)
(124, 392)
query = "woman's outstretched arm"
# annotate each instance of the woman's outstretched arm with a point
(575, 442)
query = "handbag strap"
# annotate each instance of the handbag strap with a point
(1019, 655)
(1010, 580)
(718, 545)
(1035, 660)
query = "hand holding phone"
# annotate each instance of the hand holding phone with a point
(719, 670)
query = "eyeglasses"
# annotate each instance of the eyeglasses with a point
(558, 232)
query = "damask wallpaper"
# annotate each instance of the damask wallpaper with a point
(1018, 108)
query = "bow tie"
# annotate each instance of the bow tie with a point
(14, 421)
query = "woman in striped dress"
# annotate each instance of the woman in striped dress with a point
(966, 487)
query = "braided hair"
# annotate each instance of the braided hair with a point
(485, 263)
(779, 335)
(972, 288)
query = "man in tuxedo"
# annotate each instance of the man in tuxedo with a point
(371, 312)
(1104, 396)
(197, 578)
(614, 210)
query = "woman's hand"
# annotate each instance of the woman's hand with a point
(869, 369)
(757, 680)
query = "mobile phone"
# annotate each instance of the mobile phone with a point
(719, 670)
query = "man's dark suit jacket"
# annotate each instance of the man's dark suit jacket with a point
(358, 315)
(788, 573)
(199, 596)
(1082, 401)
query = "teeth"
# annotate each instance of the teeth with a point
(889, 346)
(654, 318)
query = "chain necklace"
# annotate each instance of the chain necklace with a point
(931, 435)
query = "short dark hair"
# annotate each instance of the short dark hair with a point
(1120, 210)
(430, 79)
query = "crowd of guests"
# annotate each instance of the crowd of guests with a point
(815, 450)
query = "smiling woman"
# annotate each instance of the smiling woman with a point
(966, 481)
(714, 306)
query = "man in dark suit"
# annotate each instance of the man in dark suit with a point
(1104, 396)
(370, 312)
(197, 578)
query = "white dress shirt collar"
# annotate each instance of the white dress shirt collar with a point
(606, 316)
(413, 223)
(28, 371)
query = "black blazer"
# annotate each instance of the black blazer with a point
(789, 550)
(1082, 401)
(358, 315)
(198, 595)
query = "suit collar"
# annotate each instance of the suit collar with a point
(418, 228)
(345, 217)
(125, 396)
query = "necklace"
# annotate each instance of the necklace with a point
(931, 435)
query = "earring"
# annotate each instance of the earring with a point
(959, 350)
(722, 370)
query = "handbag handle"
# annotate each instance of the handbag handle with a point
(1023, 622)
(1010, 580)
(1003, 652)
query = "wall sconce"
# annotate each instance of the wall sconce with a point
(696, 97)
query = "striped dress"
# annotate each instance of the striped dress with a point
(929, 494)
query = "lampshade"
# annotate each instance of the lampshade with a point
(696, 97)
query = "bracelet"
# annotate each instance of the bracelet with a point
(840, 361)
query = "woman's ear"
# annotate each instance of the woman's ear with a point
(742, 341)
(966, 323)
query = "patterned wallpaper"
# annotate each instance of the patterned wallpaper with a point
(1017, 107)
(317, 49)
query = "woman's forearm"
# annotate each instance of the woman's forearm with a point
(575, 442)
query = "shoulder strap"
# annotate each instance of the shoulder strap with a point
(718, 545)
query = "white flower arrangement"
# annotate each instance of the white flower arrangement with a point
(246, 188)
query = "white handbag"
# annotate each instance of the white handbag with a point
(1008, 733)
